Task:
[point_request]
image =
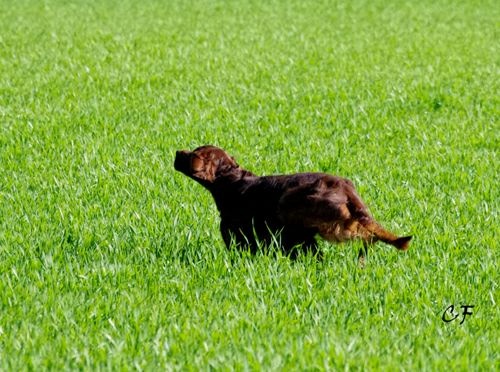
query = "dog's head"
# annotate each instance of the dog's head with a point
(204, 164)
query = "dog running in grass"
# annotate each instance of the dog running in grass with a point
(288, 210)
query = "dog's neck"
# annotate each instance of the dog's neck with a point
(233, 175)
(227, 187)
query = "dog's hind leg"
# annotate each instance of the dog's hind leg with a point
(363, 254)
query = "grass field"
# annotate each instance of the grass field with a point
(109, 259)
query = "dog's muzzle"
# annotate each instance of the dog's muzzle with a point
(181, 162)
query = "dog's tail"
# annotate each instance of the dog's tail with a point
(401, 243)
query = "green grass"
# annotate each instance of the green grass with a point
(109, 259)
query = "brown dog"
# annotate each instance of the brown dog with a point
(289, 210)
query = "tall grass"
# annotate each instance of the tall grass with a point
(111, 260)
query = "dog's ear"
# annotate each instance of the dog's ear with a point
(207, 163)
(203, 167)
(197, 164)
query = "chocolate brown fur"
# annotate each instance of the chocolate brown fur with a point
(288, 209)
